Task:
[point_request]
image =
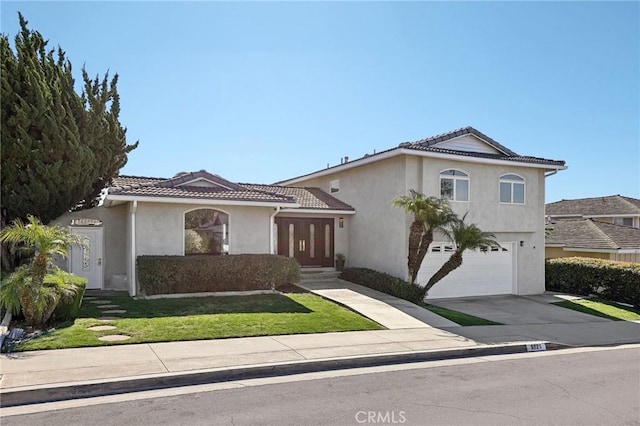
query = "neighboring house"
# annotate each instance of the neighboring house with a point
(592, 238)
(202, 213)
(341, 209)
(602, 227)
(614, 209)
(503, 193)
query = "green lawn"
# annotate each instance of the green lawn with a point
(458, 317)
(602, 308)
(164, 320)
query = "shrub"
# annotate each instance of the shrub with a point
(384, 282)
(68, 308)
(615, 281)
(195, 274)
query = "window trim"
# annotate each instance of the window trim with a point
(511, 182)
(184, 219)
(467, 178)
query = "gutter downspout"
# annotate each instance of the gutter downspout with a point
(133, 284)
(271, 223)
(551, 173)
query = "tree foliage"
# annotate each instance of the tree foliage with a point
(430, 214)
(60, 148)
(27, 287)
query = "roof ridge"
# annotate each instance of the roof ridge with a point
(602, 232)
(625, 199)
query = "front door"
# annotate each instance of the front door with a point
(309, 241)
(87, 261)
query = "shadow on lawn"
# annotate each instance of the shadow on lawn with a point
(153, 308)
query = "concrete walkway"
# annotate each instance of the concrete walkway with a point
(389, 311)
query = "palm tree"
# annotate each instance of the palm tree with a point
(26, 287)
(466, 237)
(430, 214)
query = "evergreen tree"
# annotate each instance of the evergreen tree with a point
(58, 148)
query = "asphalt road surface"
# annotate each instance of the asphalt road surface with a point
(585, 388)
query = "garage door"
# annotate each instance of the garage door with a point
(481, 274)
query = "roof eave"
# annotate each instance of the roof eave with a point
(408, 151)
(113, 199)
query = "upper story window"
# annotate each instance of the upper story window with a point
(334, 186)
(206, 231)
(624, 221)
(511, 189)
(454, 185)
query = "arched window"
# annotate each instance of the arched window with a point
(454, 185)
(206, 231)
(511, 189)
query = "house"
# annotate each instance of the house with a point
(503, 193)
(614, 209)
(341, 209)
(201, 213)
(601, 227)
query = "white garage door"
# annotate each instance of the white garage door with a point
(481, 273)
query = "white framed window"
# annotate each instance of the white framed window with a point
(511, 189)
(334, 186)
(454, 185)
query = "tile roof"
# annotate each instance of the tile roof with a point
(432, 140)
(308, 198)
(430, 145)
(610, 205)
(175, 187)
(179, 187)
(592, 234)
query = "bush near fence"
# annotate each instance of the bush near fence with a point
(199, 274)
(615, 281)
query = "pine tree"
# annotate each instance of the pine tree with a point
(58, 148)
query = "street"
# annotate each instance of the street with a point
(578, 388)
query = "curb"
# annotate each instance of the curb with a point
(65, 391)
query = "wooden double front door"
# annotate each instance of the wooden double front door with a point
(309, 241)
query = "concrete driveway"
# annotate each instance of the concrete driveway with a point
(530, 318)
(517, 310)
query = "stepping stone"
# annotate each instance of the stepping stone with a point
(100, 302)
(108, 306)
(108, 318)
(101, 327)
(114, 311)
(114, 338)
(89, 298)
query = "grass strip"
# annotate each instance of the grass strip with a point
(602, 308)
(459, 318)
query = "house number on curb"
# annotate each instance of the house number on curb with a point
(536, 347)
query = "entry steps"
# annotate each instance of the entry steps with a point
(315, 274)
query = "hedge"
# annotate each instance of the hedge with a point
(615, 281)
(385, 283)
(202, 273)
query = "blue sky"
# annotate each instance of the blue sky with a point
(263, 91)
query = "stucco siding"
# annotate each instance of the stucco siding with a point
(114, 240)
(160, 228)
(377, 232)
